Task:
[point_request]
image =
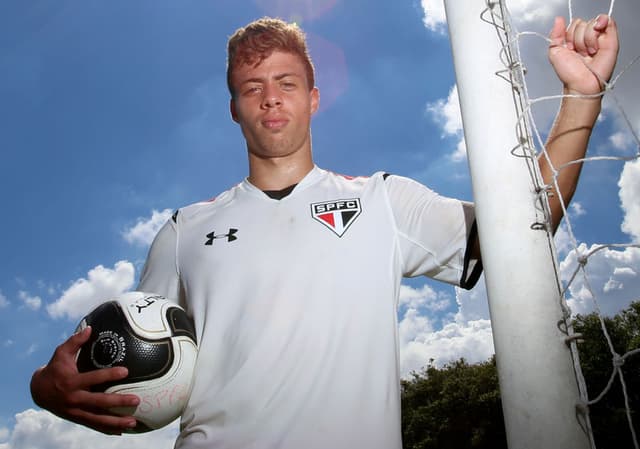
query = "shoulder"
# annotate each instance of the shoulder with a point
(401, 185)
(395, 186)
(355, 181)
(190, 211)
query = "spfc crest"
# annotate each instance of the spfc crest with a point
(337, 215)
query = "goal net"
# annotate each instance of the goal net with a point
(536, 284)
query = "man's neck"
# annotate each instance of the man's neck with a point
(278, 173)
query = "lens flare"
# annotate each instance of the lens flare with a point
(332, 76)
(296, 10)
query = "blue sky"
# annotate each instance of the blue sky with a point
(115, 113)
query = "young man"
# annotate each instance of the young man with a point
(292, 276)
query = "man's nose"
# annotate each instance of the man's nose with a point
(272, 97)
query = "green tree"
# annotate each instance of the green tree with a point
(455, 407)
(458, 406)
(609, 416)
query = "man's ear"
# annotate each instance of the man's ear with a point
(315, 99)
(232, 109)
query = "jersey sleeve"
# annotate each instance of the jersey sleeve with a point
(435, 233)
(160, 273)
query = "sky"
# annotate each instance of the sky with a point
(113, 114)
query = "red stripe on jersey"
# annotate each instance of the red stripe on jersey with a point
(328, 218)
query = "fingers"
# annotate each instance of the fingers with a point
(99, 403)
(73, 344)
(584, 36)
(100, 376)
(96, 410)
(601, 22)
(575, 36)
(60, 388)
(557, 32)
(109, 424)
(64, 359)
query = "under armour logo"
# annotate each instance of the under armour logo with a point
(230, 236)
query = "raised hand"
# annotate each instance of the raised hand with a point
(584, 55)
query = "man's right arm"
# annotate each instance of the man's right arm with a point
(60, 388)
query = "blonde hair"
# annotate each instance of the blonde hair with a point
(255, 42)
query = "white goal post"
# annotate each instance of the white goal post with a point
(540, 393)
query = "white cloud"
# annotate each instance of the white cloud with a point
(49, 289)
(434, 16)
(4, 302)
(460, 153)
(424, 297)
(32, 302)
(472, 340)
(447, 114)
(84, 294)
(466, 334)
(612, 279)
(472, 304)
(144, 231)
(576, 209)
(524, 11)
(39, 429)
(31, 349)
(415, 321)
(563, 240)
(527, 12)
(629, 184)
(621, 140)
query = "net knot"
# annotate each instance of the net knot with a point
(618, 361)
(578, 338)
(582, 408)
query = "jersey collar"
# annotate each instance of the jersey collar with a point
(310, 178)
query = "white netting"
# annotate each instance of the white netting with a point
(531, 146)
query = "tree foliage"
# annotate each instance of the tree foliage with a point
(458, 406)
(609, 416)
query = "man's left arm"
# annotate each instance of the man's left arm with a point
(583, 57)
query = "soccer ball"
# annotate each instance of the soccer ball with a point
(155, 339)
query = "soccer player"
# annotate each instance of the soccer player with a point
(293, 275)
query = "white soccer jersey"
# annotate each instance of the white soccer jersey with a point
(294, 303)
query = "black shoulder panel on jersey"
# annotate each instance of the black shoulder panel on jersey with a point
(174, 217)
(469, 280)
(385, 176)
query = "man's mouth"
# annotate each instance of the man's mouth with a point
(275, 123)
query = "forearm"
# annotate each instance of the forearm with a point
(567, 142)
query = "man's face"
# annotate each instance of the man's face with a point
(273, 105)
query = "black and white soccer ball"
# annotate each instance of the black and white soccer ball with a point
(155, 339)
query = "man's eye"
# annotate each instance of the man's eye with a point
(253, 90)
(288, 85)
